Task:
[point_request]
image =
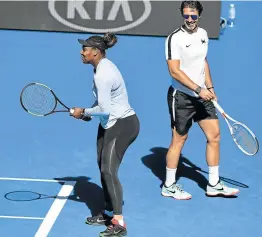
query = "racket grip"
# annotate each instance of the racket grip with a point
(218, 107)
(72, 111)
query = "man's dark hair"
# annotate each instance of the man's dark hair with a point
(192, 4)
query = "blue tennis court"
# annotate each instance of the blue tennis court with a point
(56, 155)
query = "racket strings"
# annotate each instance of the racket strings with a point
(38, 99)
(245, 139)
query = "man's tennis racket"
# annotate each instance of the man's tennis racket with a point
(39, 100)
(244, 138)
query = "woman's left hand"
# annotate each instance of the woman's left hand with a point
(78, 113)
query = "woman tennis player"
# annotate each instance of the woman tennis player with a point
(189, 99)
(117, 130)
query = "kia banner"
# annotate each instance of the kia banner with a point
(130, 17)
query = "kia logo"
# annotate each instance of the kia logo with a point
(73, 9)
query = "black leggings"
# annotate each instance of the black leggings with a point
(111, 146)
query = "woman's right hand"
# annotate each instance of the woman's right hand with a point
(206, 94)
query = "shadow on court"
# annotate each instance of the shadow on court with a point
(87, 192)
(84, 191)
(156, 162)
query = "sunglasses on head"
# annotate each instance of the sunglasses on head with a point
(193, 17)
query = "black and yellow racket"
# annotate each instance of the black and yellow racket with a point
(39, 100)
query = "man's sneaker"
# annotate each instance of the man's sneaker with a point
(221, 189)
(100, 219)
(114, 230)
(175, 191)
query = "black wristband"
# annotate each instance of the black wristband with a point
(82, 114)
(198, 90)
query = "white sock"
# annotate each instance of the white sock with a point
(213, 175)
(170, 176)
(121, 222)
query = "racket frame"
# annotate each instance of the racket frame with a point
(56, 100)
(227, 117)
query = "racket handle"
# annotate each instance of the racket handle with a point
(218, 107)
(72, 111)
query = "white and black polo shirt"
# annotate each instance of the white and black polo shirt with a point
(191, 50)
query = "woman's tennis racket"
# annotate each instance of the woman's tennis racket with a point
(39, 100)
(242, 135)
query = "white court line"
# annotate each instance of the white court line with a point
(34, 180)
(55, 209)
(22, 217)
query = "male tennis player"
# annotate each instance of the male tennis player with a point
(189, 99)
(116, 131)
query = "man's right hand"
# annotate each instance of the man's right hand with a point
(206, 94)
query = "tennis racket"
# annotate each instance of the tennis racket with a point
(244, 138)
(39, 100)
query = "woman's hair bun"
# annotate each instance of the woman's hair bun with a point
(110, 39)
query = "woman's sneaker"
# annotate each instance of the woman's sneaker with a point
(114, 230)
(100, 219)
